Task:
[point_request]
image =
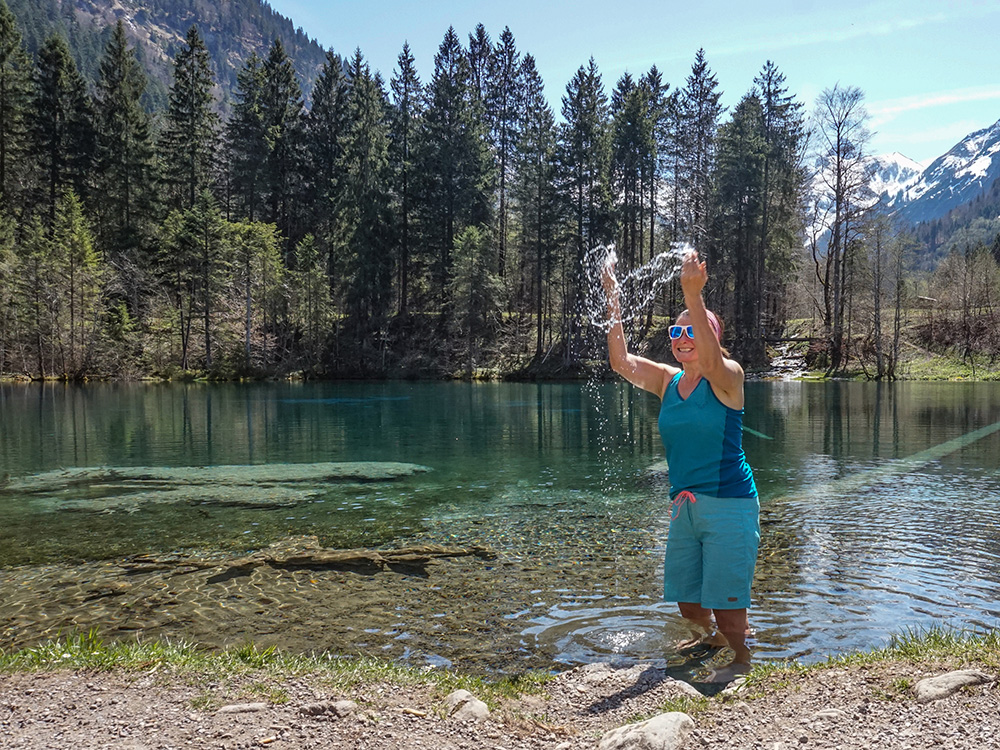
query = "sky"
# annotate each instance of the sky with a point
(929, 69)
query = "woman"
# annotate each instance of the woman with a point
(714, 528)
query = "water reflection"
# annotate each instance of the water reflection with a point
(880, 511)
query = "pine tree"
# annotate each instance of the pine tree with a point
(246, 142)
(311, 311)
(282, 116)
(190, 141)
(125, 149)
(62, 132)
(80, 273)
(325, 126)
(15, 97)
(258, 272)
(700, 112)
(475, 291)
(536, 190)
(405, 120)
(585, 154)
(504, 102)
(366, 174)
(454, 159)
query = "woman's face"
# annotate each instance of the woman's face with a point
(683, 347)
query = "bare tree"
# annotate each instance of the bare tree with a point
(842, 188)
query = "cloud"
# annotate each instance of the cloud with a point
(887, 109)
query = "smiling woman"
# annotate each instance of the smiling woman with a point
(714, 528)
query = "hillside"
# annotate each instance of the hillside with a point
(232, 29)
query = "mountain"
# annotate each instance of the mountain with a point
(892, 175)
(232, 29)
(958, 177)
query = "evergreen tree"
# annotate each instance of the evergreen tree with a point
(247, 142)
(125, 150)
(282, 116)
(190, 141)
(657, 98)
(405, 121)
(475, 291)
(536, 191)
(325, 128)
(700, 112)
(585, 154)
(454, 159)
(311, 311)
(15, 96)
(62, 132)
(80, 273)
(504, 102)
(366, 174)
(632, 151)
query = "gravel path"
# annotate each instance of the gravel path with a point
(858, 707)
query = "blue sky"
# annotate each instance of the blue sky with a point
(930, 69)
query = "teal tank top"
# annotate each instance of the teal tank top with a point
(703, 439)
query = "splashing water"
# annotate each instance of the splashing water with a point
(637, 287)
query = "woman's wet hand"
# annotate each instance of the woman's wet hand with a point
(608, 279)
(694, 274)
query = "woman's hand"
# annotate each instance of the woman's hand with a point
(694, 275)
(608, 279)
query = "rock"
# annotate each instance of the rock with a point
(242, 708)
(464, 706)
(337, 708)
(936, 688)
(830, 714)
(663, 732)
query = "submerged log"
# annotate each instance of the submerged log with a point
(306, 552)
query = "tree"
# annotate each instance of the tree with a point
(190, 141)
(325, 128)
(246, 141)
(258, 273)
(504, 102)
(125, 148)
(584, 157)
(62, 132)
(79, 270)
(310, 304)
(700, 112)
(15, 97)
(281, 109)
(405, 122)
(454, 159)
(844, 197)
(475, 290)
(536, 190)
(366, 174)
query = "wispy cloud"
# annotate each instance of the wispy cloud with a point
(887, 109)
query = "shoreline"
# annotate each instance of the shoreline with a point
(82, 692)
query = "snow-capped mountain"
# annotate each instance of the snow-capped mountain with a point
(958, 177)
(893, 174)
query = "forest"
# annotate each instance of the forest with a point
(438, 227)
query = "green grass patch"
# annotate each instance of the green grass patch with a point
(88, 651)
(912, 645)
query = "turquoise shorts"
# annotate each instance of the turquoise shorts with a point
(711, 550)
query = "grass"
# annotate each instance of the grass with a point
(88, 651)
(912, 645)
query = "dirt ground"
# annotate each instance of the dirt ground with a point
(857, 707)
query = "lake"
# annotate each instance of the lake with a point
(152, 510)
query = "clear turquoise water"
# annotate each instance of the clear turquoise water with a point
(564, 482)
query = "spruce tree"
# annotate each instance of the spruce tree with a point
(62, 127)
(325, 126)
(125, 148)
(282, 117)
(15, 97)
(455, 163)
(504, 102)
(536, 191)
(190, 142)
(246, 141)
(700, 112)
(366, 175)
(405, 120)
